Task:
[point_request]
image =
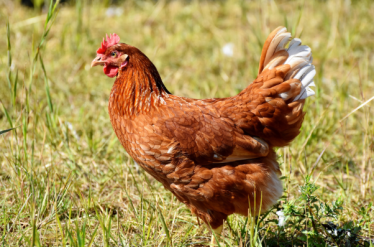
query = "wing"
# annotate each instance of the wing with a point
(196, 129)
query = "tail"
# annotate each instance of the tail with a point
(297, 56)
(284, 78)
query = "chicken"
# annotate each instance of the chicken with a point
(215, 155)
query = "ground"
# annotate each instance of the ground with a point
(66, 180)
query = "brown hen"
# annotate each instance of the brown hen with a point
(213, 154)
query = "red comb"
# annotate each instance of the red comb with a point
(113, 39)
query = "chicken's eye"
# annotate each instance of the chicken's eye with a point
(114, 54)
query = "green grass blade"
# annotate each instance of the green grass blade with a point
(93, 236)
(15, 89)
(7, 130)
(165, 227)
(7, 116)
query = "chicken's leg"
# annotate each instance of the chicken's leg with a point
(217, 232)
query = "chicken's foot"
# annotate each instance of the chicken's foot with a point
(217, 233)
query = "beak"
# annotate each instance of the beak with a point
(97, 61)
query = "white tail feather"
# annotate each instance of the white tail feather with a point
(299, 58)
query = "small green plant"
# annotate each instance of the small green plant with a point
(308, 220)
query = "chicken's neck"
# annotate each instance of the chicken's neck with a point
(136, 90)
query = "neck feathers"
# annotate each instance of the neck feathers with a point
(137, 89)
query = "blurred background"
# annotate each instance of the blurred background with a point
(65, 179)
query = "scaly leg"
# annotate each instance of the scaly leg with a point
(217, 232)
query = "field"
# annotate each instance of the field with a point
(65, 180)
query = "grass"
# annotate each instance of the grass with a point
(66, 180)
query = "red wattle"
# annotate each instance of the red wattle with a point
(110, 71)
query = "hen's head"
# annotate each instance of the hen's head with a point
(113, 55)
